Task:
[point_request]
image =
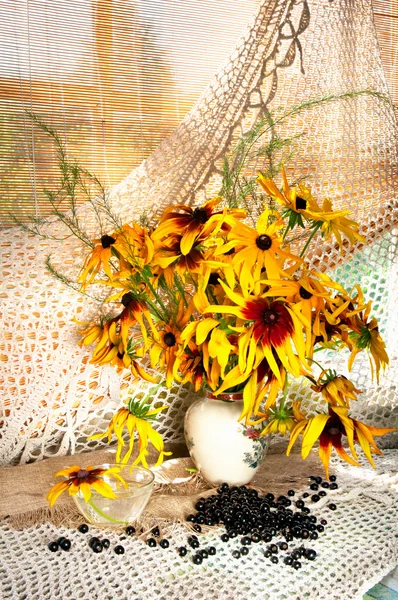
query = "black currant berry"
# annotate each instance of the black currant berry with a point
(64, 544)
(53, 546)
(197, 559)
(274, 559)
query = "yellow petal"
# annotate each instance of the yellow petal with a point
(365, 446)
(203, 329)
(294, 435)
(249, 396)
(343, 454)
(103, 488)
(56, 491)
(68, 472)
(315, 427)
(325, 453)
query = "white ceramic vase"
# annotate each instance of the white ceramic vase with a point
(222, 448)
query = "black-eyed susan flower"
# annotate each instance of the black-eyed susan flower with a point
(164, 349)
(190, 365)
(135, 246)
(337, 223)
(258, 249)
(365, 335)
(213, 341)
(136, 418)
(84, 479)
(309, 298)
(168, 343)
(330, 429)
(98, 258)
(169, 257)
(336, 390)
(298, 202)
(274, 327)
(111, 348)
(280, 420)
(192, 223)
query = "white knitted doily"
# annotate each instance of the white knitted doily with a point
(359, 546)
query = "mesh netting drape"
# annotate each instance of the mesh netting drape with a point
(293, 51)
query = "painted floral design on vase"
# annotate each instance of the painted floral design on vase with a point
(222, 448)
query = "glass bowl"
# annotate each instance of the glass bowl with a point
(128, 504)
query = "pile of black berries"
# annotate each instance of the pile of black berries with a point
(260, 519)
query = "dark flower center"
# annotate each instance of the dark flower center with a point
(82, 474)
(264, 242)
(270, 317)
(169, 339)
(332, 430)
(214, 279)
(305, 294)
(200, 215)
(301, 204)
(334, 427)
(127, 298)
(107, 241)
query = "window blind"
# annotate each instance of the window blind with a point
(386, 21)
(113, 77)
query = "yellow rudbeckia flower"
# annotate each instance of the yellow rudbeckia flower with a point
(192, 223)
(98, 258)
(366, 336)
(337, 390)
(297, 202)
(338, 224)
(280, 421)
(135, 418)
(330, 429)
(258, 249)
(84, 479)
(274, 327)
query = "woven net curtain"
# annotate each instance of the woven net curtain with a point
(290, 52)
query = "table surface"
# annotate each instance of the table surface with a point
(357, 549)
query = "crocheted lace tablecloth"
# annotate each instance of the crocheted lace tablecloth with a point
(358, 547)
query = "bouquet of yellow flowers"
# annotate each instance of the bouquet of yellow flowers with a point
(223, 299)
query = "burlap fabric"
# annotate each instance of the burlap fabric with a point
(23, 488)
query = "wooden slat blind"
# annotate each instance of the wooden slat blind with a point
(386, 21)
(114, 78)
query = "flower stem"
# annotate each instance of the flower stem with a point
(317, 226)
(316, 362)
(102, 514)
